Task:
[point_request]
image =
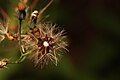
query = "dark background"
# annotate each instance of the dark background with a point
(93, 28)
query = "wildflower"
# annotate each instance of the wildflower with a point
(40, 42)
(44, 43)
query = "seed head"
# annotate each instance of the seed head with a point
(45, 43)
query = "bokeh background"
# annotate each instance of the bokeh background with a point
(93, 28)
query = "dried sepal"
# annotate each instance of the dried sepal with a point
(3, 31)
(3, 63)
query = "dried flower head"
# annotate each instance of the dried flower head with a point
(21, 9)
(3, 63)
(3, 31)
(44, 43)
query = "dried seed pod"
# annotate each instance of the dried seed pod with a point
(21, 13)
(21, 6)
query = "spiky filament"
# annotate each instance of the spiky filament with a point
(47, 45)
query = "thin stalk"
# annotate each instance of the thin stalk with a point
(20, 21)
(21, 59)
(44, 8)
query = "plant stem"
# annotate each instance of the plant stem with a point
(20, 21)
(22, 58)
